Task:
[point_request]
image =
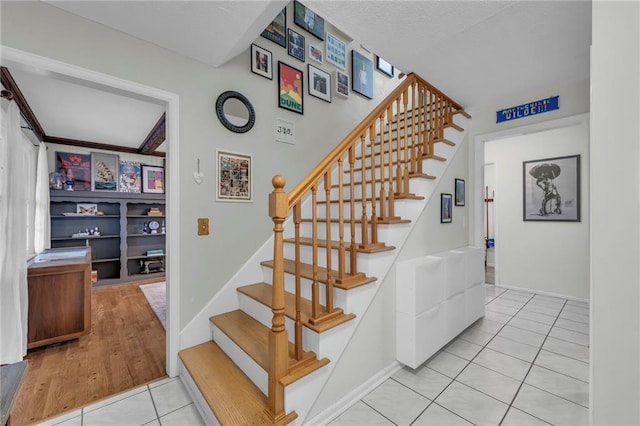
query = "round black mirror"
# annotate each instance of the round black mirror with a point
(235, 112)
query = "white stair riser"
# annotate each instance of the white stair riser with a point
(306, 255)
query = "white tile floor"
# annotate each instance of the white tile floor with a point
(525, 363)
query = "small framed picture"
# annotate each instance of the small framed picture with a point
(459, 192)
(315, 53)
(75, 168)
(152, 179)
(342, 84)
(307, 19)
(104, 172)
(319, 83)
(276, 31)
(130, 179)
(86, 208)
(296, 45)
(361, 74)
(445, 208)
(384, 66)
(290, 88)
(261, 62)
(235, 177)
(336, 53)
(551, 189)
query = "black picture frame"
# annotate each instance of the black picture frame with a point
(319, 83)
(361, 74)
(276, 31)
(261, 62)
(460, 192)
(308, 19)
(384, 66)
(295, 45)
(290, 88)
(551, 189)
(446, 211)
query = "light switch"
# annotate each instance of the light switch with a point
(203, 226)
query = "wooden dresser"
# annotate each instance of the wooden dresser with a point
(59, 282)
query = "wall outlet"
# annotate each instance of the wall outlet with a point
(203, 226)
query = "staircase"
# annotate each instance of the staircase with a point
(335, 238)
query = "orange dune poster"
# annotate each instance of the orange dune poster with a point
(290, 88)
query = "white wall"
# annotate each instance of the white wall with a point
(615, 214)
(548, 257)
(237, 229)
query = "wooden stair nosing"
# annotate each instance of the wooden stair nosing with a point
(252, 337)
(335, 245)
(358, 200)
(231, 395)
(262, 293)
(463, 113)
(306, 271)
(384, 221)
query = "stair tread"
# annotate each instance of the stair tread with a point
(231, 395)
(335, 245)
(388, 221)
(253, 338)
(263, 293)
(306, 271)
(358, 200)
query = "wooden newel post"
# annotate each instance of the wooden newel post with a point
(278, 340)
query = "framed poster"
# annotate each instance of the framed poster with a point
(445, 208)
(130, 177)
(261, 62)
(336, 53)
(460, 192)
(234, 177)
(551, 189)
(361, 74)
(276, 31)
(290, 88)
(342, 84)
(307, 19)
(296, 45)
(152, 179)
(384, 66)
(75, 168)
(319, 83)
(104, 172)
(315, 53)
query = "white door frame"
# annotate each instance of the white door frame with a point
(104, 81)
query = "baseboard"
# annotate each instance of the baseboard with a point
(334, 410)
(544, 293)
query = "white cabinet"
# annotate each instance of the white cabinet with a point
(437, 297)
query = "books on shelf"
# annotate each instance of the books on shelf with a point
(154, 211)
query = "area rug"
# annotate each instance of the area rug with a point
(156, 295)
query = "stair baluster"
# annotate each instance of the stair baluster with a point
(297, 218)
(329, 283)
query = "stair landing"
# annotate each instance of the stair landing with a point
(231, 395)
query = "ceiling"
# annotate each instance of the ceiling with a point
(477, 52)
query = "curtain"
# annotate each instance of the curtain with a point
(42, 236)
(13, 241)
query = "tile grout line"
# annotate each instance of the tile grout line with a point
(531, 366)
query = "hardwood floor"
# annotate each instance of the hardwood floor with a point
(125, 349)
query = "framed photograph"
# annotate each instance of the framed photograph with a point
(336, 53)
(319, 83)
(290, 88)
(460, 192)
(276, 31)
(130, 177)
(361, 74)
(75, 168)
(307, 19)
(86, 208)
(445, 208)
(104, 172)
(384, 66)
(315, 53)
(342, 84)
(296, 45)
(551, 189)
(261, 62)
(235, 177)
(152, 179)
